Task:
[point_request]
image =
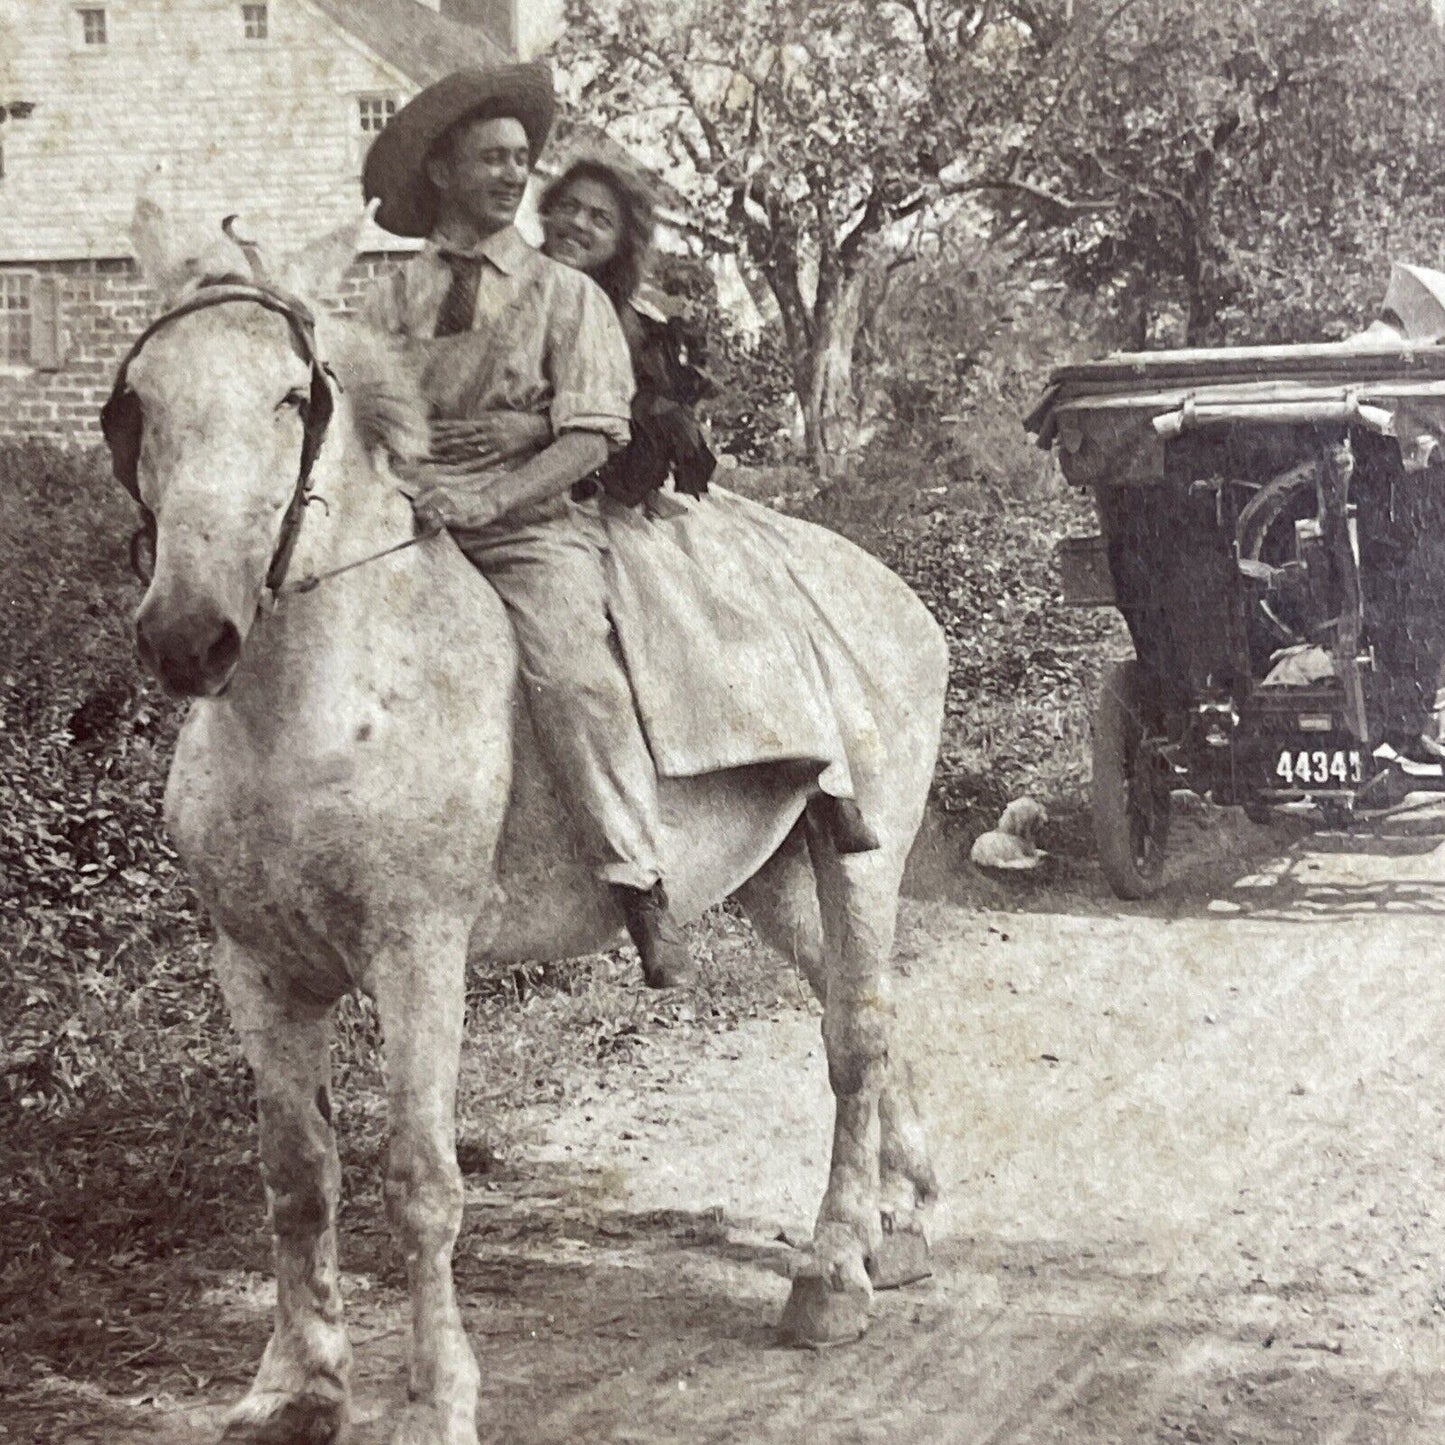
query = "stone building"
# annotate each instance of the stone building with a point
(263, 109)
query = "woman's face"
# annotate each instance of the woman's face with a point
(583, 227)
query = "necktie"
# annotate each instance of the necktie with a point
(460, 304)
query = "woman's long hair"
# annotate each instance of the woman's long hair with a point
(620, 276)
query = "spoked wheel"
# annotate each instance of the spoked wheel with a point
(1131, 783)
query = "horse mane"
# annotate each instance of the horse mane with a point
(387, 406)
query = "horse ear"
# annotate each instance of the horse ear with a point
(316, 271)
(171, 260)
(155, 246)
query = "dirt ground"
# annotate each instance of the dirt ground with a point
(1190, 1153)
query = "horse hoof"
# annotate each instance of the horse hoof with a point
(818, 1315)
(272, 1418)
(429, 1425)
(901, 1258)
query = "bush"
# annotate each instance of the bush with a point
(958, 351)
(105, 989)
(1021, 664)
(92, 903)
(127, 1130)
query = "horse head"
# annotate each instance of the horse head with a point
(215, 423)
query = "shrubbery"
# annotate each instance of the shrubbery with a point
(1022, 665)
(96, 916)
(123, 1096)
(106, 991)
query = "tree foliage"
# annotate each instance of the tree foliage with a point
(1242, 169)
(1210, 169)
(805, 135)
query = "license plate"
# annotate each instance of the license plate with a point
(1319, 768)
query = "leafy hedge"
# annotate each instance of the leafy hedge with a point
(125, 1109)
(90, 894)
(1022, 665)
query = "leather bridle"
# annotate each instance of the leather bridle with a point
(122, 420)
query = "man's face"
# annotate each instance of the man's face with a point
(481, 172)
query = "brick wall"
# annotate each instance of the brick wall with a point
(103, 307)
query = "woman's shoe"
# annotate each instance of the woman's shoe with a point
(846, 825)
(661, 944)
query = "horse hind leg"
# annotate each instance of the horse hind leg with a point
(302, 1389)
(879, 1141)
(781, 900)
(908, 1185)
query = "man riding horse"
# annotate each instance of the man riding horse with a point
(529, 377)
(361, 806)
(499, 330)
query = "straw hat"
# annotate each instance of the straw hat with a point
(395, 170)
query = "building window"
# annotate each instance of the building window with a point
(253, 19)
(92, 26)
(373, 112)
(31, 331)
(16, 318)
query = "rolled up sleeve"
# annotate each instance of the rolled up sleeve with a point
(591, 369)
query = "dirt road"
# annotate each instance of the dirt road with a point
(1192, 1155)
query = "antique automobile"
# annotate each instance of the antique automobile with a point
(1271, 527)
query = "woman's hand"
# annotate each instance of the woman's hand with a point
(663, 506)
(489, 439)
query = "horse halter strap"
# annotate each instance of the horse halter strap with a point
(121, 419)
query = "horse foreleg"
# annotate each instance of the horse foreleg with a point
(782, 902)
(419, 990)
(302, 1390)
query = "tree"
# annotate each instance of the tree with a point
(1211, 168)
(1242, 164)
(957, 356)
(807, 135)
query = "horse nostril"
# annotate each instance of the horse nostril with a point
(223, 652)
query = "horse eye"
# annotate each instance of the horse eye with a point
(297, 398)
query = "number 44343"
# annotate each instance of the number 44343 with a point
(1321, 768)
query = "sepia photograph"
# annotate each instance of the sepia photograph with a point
(722, 722)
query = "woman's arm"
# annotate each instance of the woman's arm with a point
(489, 439)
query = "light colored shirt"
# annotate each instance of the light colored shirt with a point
(544, 339)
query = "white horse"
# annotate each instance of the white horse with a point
(358, 796)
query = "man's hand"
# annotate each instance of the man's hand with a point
(442, 508)
(430, 512)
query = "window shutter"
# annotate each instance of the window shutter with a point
(46, 343)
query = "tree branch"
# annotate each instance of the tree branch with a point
(1083, 53)
(871, 219)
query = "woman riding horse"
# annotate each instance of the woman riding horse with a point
(363, 806)
(599, 219)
